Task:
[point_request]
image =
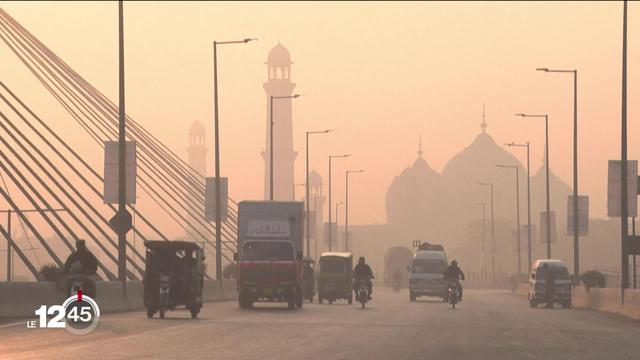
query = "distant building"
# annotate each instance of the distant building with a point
(197, 159)
(279, 84)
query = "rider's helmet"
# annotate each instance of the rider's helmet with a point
(361, 260)
(454, 263)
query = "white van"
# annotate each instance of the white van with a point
(426, 274)
(562, 283)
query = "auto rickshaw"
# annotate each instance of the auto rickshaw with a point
(173, 276)
(334, 277)
(308, 278)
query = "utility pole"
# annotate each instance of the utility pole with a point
(330, 204)
(624, 230)
(123, 226)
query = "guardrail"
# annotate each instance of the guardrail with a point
(21, 299)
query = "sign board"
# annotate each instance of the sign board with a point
(543, 227)
(111, 180)
(614, 191)
(268, 229)
(210, 199)
(583, 215)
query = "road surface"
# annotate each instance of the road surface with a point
(486, 325)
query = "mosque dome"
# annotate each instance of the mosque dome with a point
(279, 55)
(413, 199)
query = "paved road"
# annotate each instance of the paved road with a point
(486, 325)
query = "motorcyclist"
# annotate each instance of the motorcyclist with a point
(362, 272)
(81, 261)
(454, 274)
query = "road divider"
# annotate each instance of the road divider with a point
(602, 299)
(21, 299)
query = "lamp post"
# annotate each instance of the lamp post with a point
(517, 212)
(528, 203)
(330, 224)
(271, 98)
(346, 207)
(624, 213)
(493, 238)
(483, 233)
(337, 205)
(307, 190)
(217, 155)
(576, 227)
(546, 165)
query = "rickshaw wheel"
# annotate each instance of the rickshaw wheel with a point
(350, 299)
(150, 313)
(162, 311)
(194, 314)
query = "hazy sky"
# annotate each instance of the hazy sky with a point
(381, 74)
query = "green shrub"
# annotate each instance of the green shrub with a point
(50, 272)
(593, 279)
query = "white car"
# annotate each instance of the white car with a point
(426, 277)
(537, 283)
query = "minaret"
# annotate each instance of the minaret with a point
(279, 84)
(420, 152)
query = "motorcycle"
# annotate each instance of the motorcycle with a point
(82, 282)
(362, 293)
(452, 294)
(163, 299)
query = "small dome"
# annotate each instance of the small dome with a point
(279, 55)
(315, 180)
(196, 129)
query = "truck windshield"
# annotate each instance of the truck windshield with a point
(267, 251)
(333, 266)
(428, 266)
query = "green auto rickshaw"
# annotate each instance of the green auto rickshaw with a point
(334, 277)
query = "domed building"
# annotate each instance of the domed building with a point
(414, 199)
(478, 163)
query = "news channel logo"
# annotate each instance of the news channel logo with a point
(79, 315)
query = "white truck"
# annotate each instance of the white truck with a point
(270, 238)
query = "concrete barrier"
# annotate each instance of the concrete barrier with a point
(21, 299)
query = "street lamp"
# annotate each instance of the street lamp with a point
(528, 201)
(517, 212)
(217, 155)
(346, 207)
(271, 98)
(576, 227)
(307, 191)
(337, 205)
(493, 238)
(546, 165)
(293, 189)
(330, 223)
(484, 261)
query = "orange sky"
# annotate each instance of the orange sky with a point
(381, 74)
